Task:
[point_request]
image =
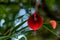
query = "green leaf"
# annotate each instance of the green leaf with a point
(27, 32)
(22, 38)
(19, 17)
(48, 26)
(19, 30)
(14, 29)
(1, 37)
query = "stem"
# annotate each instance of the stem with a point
(51, 31)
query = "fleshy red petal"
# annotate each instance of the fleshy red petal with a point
(53, 23)
(35, 25)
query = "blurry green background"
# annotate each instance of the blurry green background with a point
(15, 13)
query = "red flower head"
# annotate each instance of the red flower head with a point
(35, 21)
(53, 23)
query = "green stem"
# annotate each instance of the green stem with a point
(51, 31)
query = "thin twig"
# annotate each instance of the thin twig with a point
(51, 31)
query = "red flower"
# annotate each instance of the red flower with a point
(35, 21)
(53, 23)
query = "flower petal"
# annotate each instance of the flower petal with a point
(35, 24)
(53, 23)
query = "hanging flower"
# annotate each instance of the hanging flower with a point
(53, 23)
(35, 21)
